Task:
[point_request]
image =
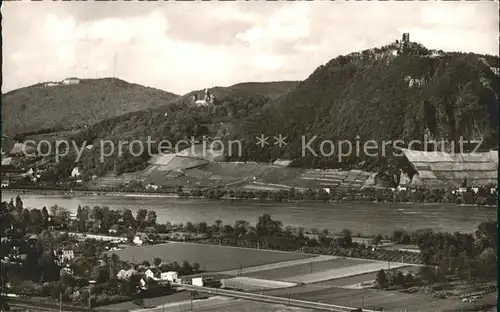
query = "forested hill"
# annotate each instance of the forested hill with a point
(179, 120)
(379, 94)
(41, 108)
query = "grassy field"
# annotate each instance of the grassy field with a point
(367, 298)
(210, 257)
(361, 278)
(315, 272)
(289, 273)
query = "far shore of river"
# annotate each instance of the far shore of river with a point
(78, 193)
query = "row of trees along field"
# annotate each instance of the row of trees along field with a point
(451, 259)
(420, 195)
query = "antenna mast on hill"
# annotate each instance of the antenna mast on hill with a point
(114, 66)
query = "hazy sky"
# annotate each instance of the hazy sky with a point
(181, 46)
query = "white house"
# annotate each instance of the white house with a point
(125, 274)
(140, 239)
(170, 276)
(68, 255)
(71, 81)
(75, 173)
(153, 273)
(137, 240)
(143, 284)
(152, 187)
(197, 281)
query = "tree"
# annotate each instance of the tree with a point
(36, 220)
(45, 218)
(217, 226)
(100, 273)
(179, 190)
(186, 267)
(196, 267)
(88, 248)
(151, 218)
(377, 240)
(114, 263)
(266, 226)
(381, 279)
(19, 204)
(488, 264)
(25, 219)
(202, 227)
(487, 233)
(227, 230)
(240, 227)
(141, 218)
(189, 227)
(128, 218)
(157, 261)
(347, 237)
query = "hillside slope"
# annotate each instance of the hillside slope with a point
(273, 90)
(377, 94)
(174, 122)
(37, 107)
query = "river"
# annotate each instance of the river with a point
(367, 219)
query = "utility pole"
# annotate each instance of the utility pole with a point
(90, 293)
(60, 301)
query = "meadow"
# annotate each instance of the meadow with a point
(210, 257)
(288, 273)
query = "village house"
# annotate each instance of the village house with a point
(125, 274)
(71, 81)
(140, 238)
(152, 187)
(75, 173)
(153, 273)
(68, 254)
(170, 276)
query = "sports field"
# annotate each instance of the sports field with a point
(314, 272)
(210, 257)
(350, 281)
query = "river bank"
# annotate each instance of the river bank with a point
(77, 193)
(366, 218)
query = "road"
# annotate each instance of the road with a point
(42, 306)
(269, 299)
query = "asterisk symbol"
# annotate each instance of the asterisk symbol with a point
(280, 140)
(262, 140)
